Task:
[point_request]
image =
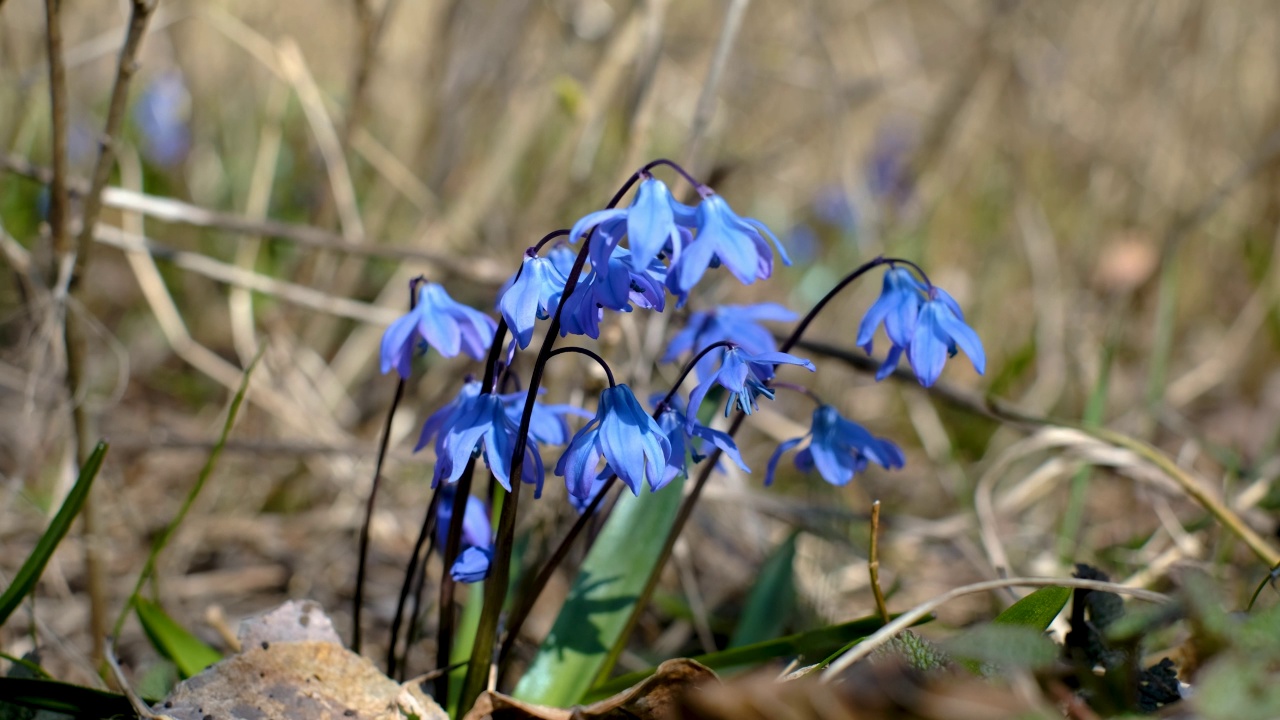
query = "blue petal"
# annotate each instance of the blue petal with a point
(472, 565)
(890, 363)
(772, 468)
(650, 223)
(965, 337)
(928, 349)
(397, 345)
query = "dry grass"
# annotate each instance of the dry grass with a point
(1094, 181)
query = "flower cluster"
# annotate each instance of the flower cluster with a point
(635, 257)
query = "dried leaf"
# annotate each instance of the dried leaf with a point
(307, 674)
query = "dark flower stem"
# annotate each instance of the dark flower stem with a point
(537, 247)
(675, 166)
(495, 588)
(419, 586)
(583, 351)
(684, 373)
(686, 508)
(411, 572)
(870, 265)
(363, 561)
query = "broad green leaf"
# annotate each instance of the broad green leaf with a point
(1036, 610)
(29, 574)
(173, 641)
(771, 600)
(813, 644)
(601, 599)
(1003, 645)
(463, 640)
(53, 696)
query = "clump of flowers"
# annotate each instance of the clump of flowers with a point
(650, 255)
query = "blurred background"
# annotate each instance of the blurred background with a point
(1095, 182)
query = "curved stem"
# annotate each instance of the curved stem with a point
(675, 166)
(803, 325)
(688, 368)
(583, 351)
(537, 247)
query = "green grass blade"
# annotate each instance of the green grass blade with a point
(149, 567)
(53, 696)
(1036, 610)
(601, 599)
(818, 643)
(771, 600)
(173, 641)
(29, 574)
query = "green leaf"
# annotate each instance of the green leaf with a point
(916, 651)
(1036, 610)
(29, 574)
(173, 641)
(1003, 645)
(818, 643)
(771, 600)
(601, 599)
(149, 567)
(53, 696)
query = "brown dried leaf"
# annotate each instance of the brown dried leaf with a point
(656, 698)
(293, 666)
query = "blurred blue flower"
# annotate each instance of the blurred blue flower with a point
(689, 441)
(532, 297)
(803, 242)
(832, 206)
(161, 114)
(744, 375)
(476, 549)
(649, 225)
(631, 443)
(888, 169)
(838, 448)
(547, 424)
(441, 322)
(735, 323)
(939, 329)
(722, 236)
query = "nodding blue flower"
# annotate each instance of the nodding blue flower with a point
(478, 424)
(738, 324)
(689, 440)
(888, 169)
(744, 375)
(547, 424)
(631, 443)
(898, 308)
(832, 206)
(597, 486)
(939, 330)
(649, 225)
(476, 549)
(612, 285)
(838, 448)
(722, 236)
(161, 114)
(533, 296)
(442, 323)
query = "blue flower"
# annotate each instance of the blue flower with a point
(631, 443)
(735, 323)
(477, 423)
(533, 296)
(476, 549)
(737, 243)
(649, 225)
(440, 321)
(689, 440)
(939, 330)
(162, 115)
(612, 285)
(744, 375)
(838, 448)
(547, 423)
